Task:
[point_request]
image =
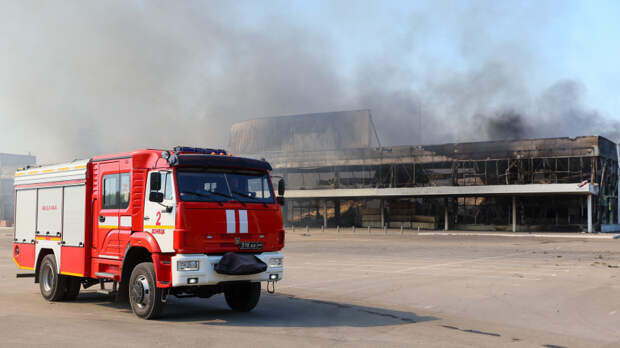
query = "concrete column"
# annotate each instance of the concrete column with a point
(445, 216)
(382, 207)
(514, 213)
(325, 213)
(337, 211)
(589, 213)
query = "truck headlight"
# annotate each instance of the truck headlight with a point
(187, 265)
(275, 262)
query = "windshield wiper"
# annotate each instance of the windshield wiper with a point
(206, 195)
(248, 196)
(242, 195)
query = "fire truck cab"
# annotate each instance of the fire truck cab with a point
(152, 223)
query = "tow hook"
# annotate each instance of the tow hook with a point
(164, 295)
(271, 289)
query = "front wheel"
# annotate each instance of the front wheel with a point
(243, 297)
(145, 297)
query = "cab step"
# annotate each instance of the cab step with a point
(103, 290)
(105, 275)
(109, 292)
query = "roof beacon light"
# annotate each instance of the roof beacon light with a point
(200, 150)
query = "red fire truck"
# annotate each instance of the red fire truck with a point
(151, 223)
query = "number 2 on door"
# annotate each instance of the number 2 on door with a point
(158, 222)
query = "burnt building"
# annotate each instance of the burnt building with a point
(338, 174)
(8, 165)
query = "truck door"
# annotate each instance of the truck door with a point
(159, 218)
(106, 207)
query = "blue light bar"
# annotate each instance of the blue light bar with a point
(207, 151)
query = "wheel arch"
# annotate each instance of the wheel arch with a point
(134, 255)
(37, 266)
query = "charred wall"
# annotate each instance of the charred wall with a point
(536, 161)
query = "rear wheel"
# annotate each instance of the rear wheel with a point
(51, 283)
(144, 295)
(243, 297)
(72, 287)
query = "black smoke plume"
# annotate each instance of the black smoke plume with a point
(84, 78)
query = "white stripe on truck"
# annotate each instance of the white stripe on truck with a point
(243, 221)
(231, 224)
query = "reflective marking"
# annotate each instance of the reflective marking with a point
(231, 224)
(46, 171)
(243, 221)
(108, 257)
(47, 238)
(126, 221)
(22, 267)
(109, 222)
(165, 227)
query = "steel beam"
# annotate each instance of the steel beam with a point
(448, 191)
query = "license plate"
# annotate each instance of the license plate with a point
(250, 245)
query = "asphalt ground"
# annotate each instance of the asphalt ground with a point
(362, 290)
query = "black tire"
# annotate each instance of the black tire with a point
(72, 287)
(242, 297)
(144, 295)
(51, 283)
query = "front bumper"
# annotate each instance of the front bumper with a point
(206, 275)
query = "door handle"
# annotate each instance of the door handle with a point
(101, 218)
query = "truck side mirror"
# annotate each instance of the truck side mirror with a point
(156, 197)
(281, 187)
(280, 200)
(155, 181)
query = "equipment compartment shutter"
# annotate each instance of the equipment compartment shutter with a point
(49, 209)
(25, 215)
(74, 204)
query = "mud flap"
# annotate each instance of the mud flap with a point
(240, 264)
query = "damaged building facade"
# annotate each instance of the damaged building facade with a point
(338, 174)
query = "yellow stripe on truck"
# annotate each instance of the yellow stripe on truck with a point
(45, 171)
(22, 267)
(47, 238)
(161, 227)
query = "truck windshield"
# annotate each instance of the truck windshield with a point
(219, 186)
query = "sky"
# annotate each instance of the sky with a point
(81, 78)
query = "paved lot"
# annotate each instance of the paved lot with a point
(361, 290)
